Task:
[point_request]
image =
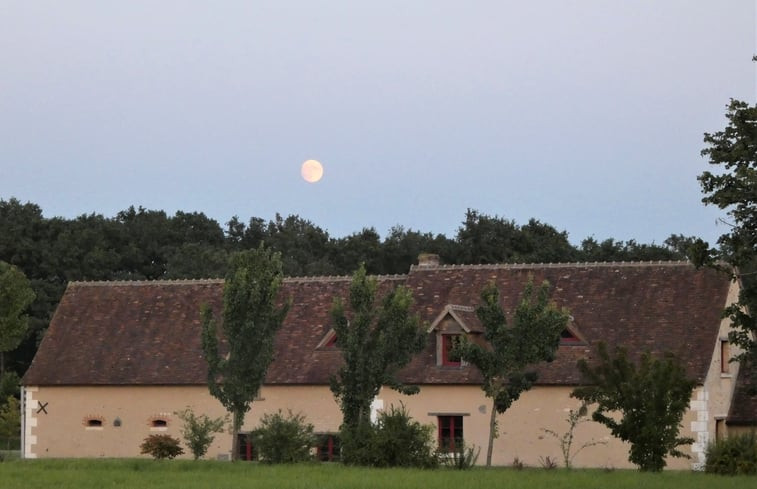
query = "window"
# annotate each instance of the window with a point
(719, 429)
(450, 432)
(725, 357)
(329, 448)
(448, 343)
(246, 449)
(94, 423)
(159, 423)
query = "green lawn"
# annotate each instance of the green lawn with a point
(144, 474)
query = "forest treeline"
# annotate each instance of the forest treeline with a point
(142, 244)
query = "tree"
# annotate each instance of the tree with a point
(199, 431)
(651, 399)
(10, 420)
(358, 249)
(735, 189)
(15, 297)
(377, 338)
(506, 359)
(251, 318)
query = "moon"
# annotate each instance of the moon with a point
(311, 171)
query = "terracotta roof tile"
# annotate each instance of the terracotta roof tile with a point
(744, 406)
(149, 332)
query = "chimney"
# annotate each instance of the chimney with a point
(428, 260)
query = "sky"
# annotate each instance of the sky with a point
(586, 115)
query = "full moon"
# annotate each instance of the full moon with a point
(312, 171)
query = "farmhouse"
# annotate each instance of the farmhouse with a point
(120, 358)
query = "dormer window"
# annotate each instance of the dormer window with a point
(328, 342)
(449, 359)
(571, 335)
(567, 337)
(450, 325)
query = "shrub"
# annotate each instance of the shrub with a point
(575, 417)
(399, 441)
(198, 431)
(463, 457)
(161, 446)
(284, 439)
(733, 455)
(357, 444)
(548, 463)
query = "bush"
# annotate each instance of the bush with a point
(198, 431)
(357, 444)
(161, 446)
(733, 455)
(281, 439)
(399, 441)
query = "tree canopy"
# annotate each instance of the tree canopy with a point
(734, 188)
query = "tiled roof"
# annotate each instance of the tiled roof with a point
(744, 406)
(149, 332)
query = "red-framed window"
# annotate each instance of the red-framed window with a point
(329, 448)
(725, 357)
(247, 450)
(448, 343)
(450, 432)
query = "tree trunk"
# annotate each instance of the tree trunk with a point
(2, 363)
(236, 425)
(492, 430)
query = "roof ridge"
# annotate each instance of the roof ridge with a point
(596, 264)
(341, 278)
(198, 281)
(136, 283)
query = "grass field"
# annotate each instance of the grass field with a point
(144, 474)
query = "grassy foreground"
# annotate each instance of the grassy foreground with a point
(142, 474)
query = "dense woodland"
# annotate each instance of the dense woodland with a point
(142, 244)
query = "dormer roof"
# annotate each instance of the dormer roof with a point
(465, 316)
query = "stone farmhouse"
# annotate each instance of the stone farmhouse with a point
(120, 358)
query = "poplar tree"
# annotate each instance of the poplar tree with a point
(507, 359)
(377, 337)
(251, 319)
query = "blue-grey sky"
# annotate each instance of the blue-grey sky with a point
(587, 115)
